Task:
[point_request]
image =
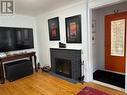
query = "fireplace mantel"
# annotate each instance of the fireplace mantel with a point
(65, 49)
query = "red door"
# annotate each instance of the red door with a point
(115, 41)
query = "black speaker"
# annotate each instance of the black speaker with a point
(18, 69)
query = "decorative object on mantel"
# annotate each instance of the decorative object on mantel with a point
(62, 45)
(54, 33)
(91, 91)
(73, 29)
(46, 68)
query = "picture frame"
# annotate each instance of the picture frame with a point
(54, 31)
(73, 29)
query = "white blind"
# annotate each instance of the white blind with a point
(117, 37)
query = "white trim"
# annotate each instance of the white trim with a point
(90, 58)
(109, 85)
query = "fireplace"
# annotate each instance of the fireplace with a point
(66, 63)
(63, 67)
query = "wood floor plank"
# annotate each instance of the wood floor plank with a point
(42, 83)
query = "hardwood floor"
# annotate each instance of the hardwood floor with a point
(42, 83)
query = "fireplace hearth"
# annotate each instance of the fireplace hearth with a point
(66, 62)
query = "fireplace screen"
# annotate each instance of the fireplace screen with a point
(63, 67)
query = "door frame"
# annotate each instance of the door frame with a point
(93, 5)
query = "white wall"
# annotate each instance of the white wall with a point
(100, 13)
(62, 13)
(21, 21)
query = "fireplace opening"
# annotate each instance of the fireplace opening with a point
(63, 67)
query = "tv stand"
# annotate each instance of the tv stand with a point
(15, 57)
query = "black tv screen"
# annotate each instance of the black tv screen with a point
(12, 39)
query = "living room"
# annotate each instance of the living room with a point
(50, 50)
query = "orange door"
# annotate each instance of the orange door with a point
(115, 41)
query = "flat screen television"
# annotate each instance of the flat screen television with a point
(12, 39)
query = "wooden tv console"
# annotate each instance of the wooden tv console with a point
(15, 57)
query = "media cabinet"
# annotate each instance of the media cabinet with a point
(8, 58)
(18, 69)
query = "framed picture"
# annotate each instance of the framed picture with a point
(73, 29)
(54, 33)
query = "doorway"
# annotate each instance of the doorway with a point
(108, 67)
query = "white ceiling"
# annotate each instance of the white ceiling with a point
(37, 7)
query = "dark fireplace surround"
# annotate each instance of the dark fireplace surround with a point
(66, 62)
